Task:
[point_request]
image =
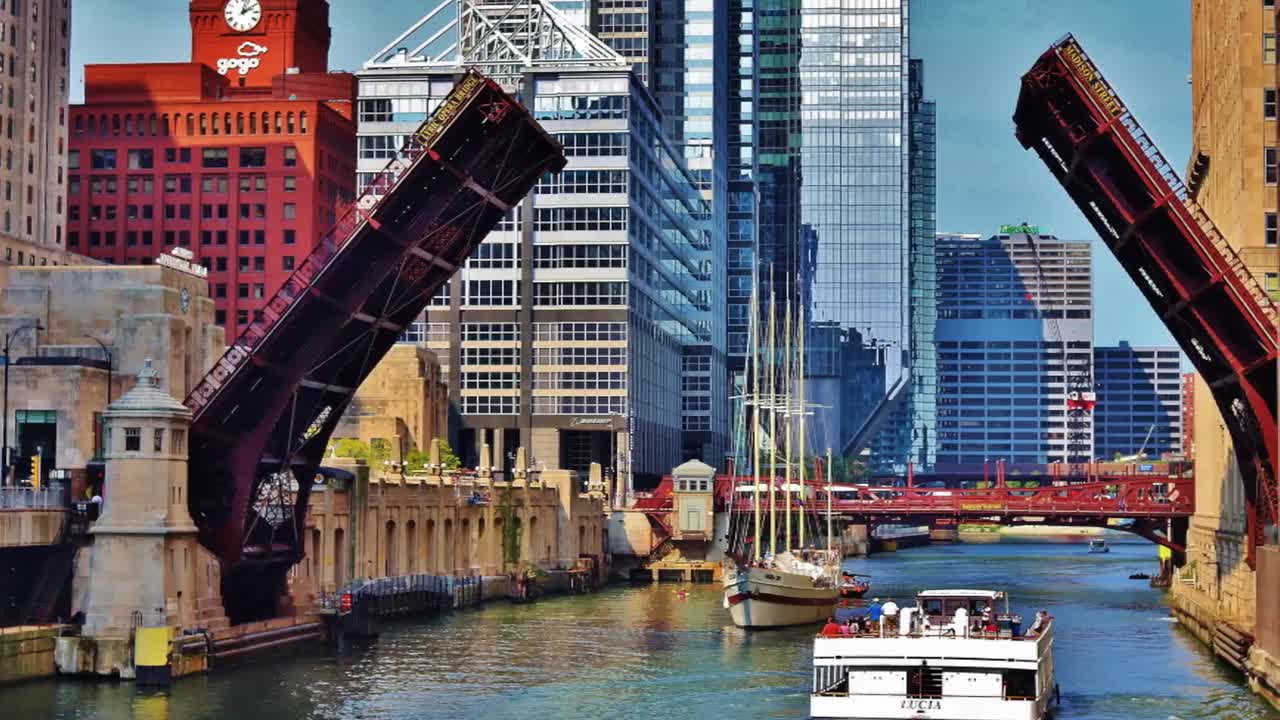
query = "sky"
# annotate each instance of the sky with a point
(974, 51)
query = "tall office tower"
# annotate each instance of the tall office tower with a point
(852, 139)
(1012, 336)
(910, 433)
(627, 27)
(687, 80)
(568, 328)
(241, 157)
(1188, 392)
(1139, 411)
(33, 118)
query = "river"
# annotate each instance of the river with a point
(646, 651)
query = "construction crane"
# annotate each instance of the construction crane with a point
(1080, 395)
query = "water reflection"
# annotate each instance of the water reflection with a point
(631, 650)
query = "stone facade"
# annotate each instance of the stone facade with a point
(371, 528)
(1235, 172)
(136, 312)
(145, 532)
(403, 398)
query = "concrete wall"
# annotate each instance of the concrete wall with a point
(21, 528)
(26, 653)
(403, 396)
(416, 525)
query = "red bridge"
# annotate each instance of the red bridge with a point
(1070, 115)
(264, 414)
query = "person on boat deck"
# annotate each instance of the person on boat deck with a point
(874, 611)
(848, 628)
(1038, 626)
(961, 624)
(831, 629)
(989, 620)
(889, 619)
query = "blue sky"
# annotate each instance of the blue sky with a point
(974, 51)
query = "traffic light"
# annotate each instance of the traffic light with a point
(35, 471)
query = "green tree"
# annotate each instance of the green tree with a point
(351, 448)
(511, 526)
(416, 461)
(448, 458)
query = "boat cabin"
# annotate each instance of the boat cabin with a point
(940, 606)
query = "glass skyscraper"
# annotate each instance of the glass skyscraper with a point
(852, 142)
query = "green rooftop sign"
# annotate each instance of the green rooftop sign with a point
(1028, 229)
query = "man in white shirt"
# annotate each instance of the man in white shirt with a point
(889, 615)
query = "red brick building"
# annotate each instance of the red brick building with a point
(1189, 415)
(242, 155)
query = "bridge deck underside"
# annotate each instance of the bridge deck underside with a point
(282, 389)
(1193, 280)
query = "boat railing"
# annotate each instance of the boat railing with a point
(940, 633)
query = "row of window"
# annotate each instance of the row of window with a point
(579, 293)
(183, 238)
(581, 218)
(584, 181)
(175, 184)
(213, 157)
(580, 107)
(218, 123)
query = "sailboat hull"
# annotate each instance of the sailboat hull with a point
(767, 598)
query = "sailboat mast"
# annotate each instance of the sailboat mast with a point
(800, 437)
(827, 472)
(786, 417)
(773, 434)
(753, 371)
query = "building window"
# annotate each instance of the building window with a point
(1270, 166)
(291, 210)
(73, 160)
(213, 157)
(1269, 48)
(103, 159)
(290, 157)
(141, 159)
(1272, 235)
(132, 439)
(253, 157)
(290, 183)
(1271, 281)
(286, 263)
(157, 443)
(290, 237)
(1269, 103)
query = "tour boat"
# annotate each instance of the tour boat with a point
(951, 656)
(1099, 546)
(769, 581)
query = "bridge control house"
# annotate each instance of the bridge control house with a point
(242, 155)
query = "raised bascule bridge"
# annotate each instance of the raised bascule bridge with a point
(1074, 120)
(264, 414)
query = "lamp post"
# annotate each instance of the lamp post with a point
(110, 375)
(4, 422)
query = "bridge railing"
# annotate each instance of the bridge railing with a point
(51, 497)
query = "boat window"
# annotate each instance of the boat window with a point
(933, 606)
(1019, 684)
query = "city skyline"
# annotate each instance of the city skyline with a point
(975, 135)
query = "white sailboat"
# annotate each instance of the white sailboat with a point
(786, 585)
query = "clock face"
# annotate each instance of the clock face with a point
(242, 15)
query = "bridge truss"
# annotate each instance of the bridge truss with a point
(264, 413)
(1072, 118)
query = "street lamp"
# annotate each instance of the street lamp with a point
(4, 422)
(110, 377)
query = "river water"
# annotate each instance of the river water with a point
(646, 651)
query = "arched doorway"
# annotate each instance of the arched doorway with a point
(426, 549)
(464, 546)
(411, 547)
(390, 549)
(339, 559)
(448, 553)
(532, 545)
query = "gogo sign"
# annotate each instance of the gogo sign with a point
(248, 60)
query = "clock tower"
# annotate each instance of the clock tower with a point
(252, 41)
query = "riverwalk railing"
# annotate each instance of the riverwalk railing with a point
(51, 497)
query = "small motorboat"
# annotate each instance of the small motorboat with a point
(1139, 576)
(1099, 546)
(853, 585)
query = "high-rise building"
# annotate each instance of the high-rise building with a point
(570, 329)
(1234, 175)
(33, 116)
(838, 102)
(909, 435)
(1139, 395)
(242, 156)
(1014, 335)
